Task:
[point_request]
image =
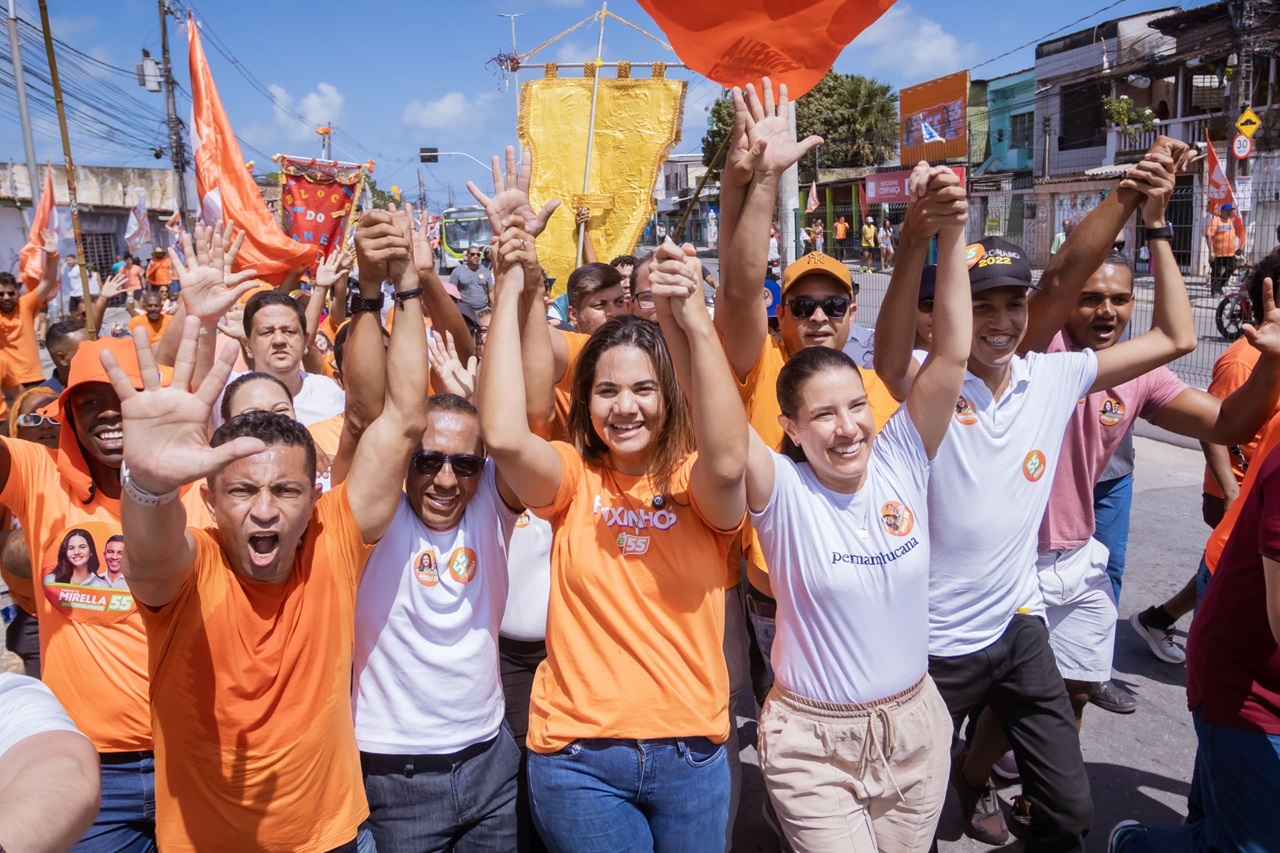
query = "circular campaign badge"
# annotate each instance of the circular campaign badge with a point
(425, 568)
(897, 518)
(1111, 412)
(965, 413)
(82, 574)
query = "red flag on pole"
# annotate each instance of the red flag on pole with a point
(1220, 192)
(31, 256)
(813, 198)
(223, 185)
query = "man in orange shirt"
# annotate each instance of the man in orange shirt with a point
(1226, 237)
(250, 620)
(152, 319)
(160, 270)
(19, 352)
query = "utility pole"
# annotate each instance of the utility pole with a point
(20, 83)
(788, 204)
(1243, 15)
(177, 150)
(422, 192)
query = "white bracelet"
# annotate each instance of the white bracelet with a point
(139, 495)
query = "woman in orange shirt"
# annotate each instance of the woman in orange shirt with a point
(629, 712)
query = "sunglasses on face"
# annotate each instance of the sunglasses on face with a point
(429, 462)
(802, 307)
(31, 420)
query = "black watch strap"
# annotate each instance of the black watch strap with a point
(357, 303)
(1164, 232)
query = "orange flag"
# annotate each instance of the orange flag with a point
(223, 184)
(736, 42)
(31, 256)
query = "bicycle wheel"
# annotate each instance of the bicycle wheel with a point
(1230, 317)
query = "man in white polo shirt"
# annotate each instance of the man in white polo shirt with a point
(439, 763)
(990, 484)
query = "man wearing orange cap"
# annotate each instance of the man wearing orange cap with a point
(92, 646)
(19, 352)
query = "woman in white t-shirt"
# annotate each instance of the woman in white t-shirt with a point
(854, 738)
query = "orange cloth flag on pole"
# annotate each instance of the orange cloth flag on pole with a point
(1220, 192)
(813, 198)
(31, 256)
(736, 42)
(223, 185)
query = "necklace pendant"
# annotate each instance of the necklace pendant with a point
(864, 533)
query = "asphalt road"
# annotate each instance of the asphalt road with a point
(1139, 765)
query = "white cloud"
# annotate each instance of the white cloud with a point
(67, 28)
(575, 51)
(909, 48)
(321, 107)
(453, 111)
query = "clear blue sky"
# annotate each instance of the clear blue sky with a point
(396, 74)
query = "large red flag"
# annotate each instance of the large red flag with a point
(31, 256)
(225, 189)
(1220, 191)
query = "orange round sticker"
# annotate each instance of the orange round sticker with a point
(462, 565)
(1111, 412)
(1034, 466)
(82, 574)
(897, 518)
(973, 253)
(425, 569)
(965, 413)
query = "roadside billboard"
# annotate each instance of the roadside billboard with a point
(933, 119)
(891, 187)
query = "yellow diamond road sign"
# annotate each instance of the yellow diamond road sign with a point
(1248, 123)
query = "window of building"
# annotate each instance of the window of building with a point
(1022, 130)
(99, 250)
(1080, 121)
(1206, 93)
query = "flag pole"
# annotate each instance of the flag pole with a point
(591, 128)
(90, 319)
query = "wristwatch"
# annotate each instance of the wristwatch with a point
(1164, 232)
(140, 495)
(357, 303)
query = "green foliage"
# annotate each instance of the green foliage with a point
(1130, 120)
(381, 198)
(719, 124)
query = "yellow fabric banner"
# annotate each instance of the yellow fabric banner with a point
(637, 124)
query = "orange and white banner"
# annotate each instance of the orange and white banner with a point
(31, 256)
(223, 184)
(1220, 192)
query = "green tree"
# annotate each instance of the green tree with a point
(719, 124)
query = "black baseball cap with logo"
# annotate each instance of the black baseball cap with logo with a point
(997, 263)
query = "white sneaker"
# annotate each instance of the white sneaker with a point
(1006, 767)
(1159, 640)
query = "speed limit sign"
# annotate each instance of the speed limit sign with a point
(1241, 146)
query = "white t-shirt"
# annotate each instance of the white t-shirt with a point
(427, 614)
(525, 618)
(853, 613)
(319, 400)
(990, 484)
(28, 708)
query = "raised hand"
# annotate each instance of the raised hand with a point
(333, 269)
(511, 195)
(423, 257)
(1154, 177)
(166, 428)
(458, 378)
(937, 201)
(675, 276)
(50, 241)
(209, 287)
(380, 241)
(1265, 337)
(769, 131)
(740, 158)
(515, 247)
(114, 286)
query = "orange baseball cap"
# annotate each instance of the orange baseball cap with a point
(86, 367)
(817, 263)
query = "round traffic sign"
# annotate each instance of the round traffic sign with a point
(1241, 146)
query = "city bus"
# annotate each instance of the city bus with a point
(460, 228)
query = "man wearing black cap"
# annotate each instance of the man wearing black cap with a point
(1226, 237)
(989, 486)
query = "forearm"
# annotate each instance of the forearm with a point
(161, 553)
(1218, 460)
(1247, 408)
(896, 322)
(952, 306)
(51, 793)
(503, 379)
(48, 285)
(312, 358)
(407, 371)
(740, 309)
(588, 248)
(539, 365)
(1171, 313)
(364, 371)
(719, 419)
(100, 310)
(444, 313)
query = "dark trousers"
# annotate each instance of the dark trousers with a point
(22, 637)
(1220, 269)
(519, 661)
(737, 660)
(1017, 678)
(465, 801)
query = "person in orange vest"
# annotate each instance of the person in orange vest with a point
(1226, 237)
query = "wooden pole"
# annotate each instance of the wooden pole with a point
(702, 182)
(90, 321)
(591, 128)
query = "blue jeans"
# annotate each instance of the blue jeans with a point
(464, 802)
(1112, 500)
(1239, 777)
(669, 795)
(1203, 576)
(127, 817)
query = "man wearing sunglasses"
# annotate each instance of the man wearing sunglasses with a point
(472, 280)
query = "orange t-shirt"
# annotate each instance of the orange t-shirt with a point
(251, 698)
(155, 331)
(160, 271)
(759, 392)
(326, 434)
(575, 341)
(1230, 371)
(842, 230)
(19, 352)
(93, 650)
(1267, 439)
(635, 627)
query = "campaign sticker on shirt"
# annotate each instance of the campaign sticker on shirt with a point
(1034, 466)
(522, 520)
(1111, 412)
(897, 518)
(425, 568)
(965, 413)
(82, 574)
(463, 563)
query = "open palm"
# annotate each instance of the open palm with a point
(166, 428)
(209, 288)
(769, 131)
(511, 195)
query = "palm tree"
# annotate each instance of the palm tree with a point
(856, 116)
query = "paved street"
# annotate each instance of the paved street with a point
(1139, 765)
